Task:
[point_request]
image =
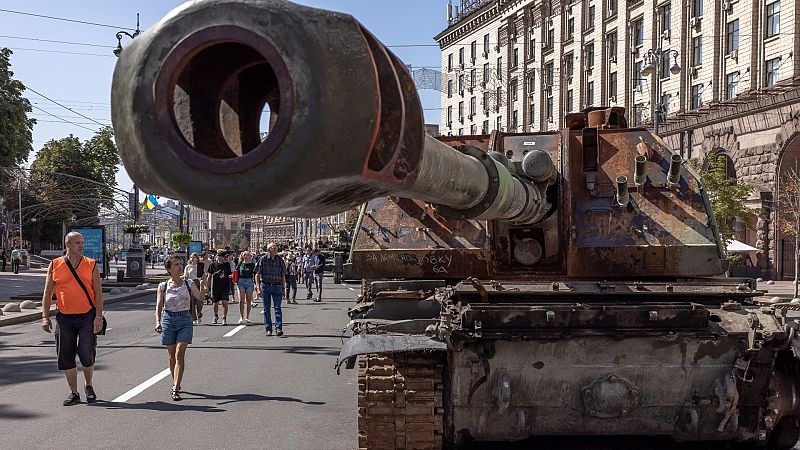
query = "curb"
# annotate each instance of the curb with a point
(30, 317)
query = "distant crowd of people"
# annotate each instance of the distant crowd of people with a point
(229, 277)
(14, 256)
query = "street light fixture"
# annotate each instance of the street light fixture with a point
(654, 59)
(121, 33)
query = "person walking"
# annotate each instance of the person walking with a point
(15, 259)
(3, 259)
(202, 270)
(246, 285)
(291, 279)
(270, 280)
(191, 273)
(232, 295)
(174, 300)
(79, 299)
(319, 273)
(308, 262)
(218, 280)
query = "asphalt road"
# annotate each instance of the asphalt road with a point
(243, 391)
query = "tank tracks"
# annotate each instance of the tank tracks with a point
(400, 402)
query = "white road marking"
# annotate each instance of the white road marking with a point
(140, 388)
(234, 331)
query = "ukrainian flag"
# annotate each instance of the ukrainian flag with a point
(150, 202)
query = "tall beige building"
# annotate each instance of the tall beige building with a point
(729, 81)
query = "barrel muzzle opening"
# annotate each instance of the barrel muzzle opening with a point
(211, 93)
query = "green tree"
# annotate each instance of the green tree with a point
(727, 195)
(16, 128)
(239, 242)
(789, 201)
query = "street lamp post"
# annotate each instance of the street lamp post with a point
(654, 59)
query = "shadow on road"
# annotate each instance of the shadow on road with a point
(599, 443)
(225, 399)
(300, 349)
(8, 412)
(27, 368)
(159, 406)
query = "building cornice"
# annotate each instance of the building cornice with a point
(475, 20)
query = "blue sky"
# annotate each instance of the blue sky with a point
(81, 79)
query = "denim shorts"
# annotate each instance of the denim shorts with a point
(176, 327)
(246, 284)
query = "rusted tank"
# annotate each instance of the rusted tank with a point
(516, 284)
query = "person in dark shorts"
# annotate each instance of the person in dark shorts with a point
(219, 278)
(79, 298)
(270, 282)
(174, 300)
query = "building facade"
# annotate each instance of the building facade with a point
(729, 81)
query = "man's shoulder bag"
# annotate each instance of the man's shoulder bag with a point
(86, 291)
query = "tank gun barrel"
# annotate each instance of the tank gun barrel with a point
(342, 122)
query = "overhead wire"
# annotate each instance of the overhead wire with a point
(43, 16)
(62, 119)
(61, 105)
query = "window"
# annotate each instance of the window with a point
(590, 93)
(473, 51)
(697, 96)
(772, 72)
(531, 47)
(461, 111)
(589, 56)
(514, 124)
(549, 74)
(486, 101)
(449, 116)
(590, 18)
(638, 114)
(697, 8)
(485, 44)
(531, 76)
(498, 99)
(611, 45)
(549, 107)
(472, 129)
(697, 51)
(460, 131)
(515, 57)
(449, 88)
(514, 87)
(732, 37)
(473, 106)
(638, 32)
(612, 85)
(531, 113)
(500, 68)
(731, 85)
(569, 100)
(569, 66)
(551, 37)
(485, 127)
(665, 101)
(773, 19)
(499, 123)
(473, 77)
(461, 84)
(638, 80)
(664, 18)
(450, 62)
(665, 60)
(486, 73)
(612, 8)
(570, 28)
(461, 57)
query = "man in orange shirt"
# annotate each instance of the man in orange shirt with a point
(79, 299)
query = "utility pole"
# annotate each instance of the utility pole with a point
(19, 191)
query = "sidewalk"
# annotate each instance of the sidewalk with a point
(31, 283)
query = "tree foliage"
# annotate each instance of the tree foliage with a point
(239, 242)
(728, 197)
(16, 129)
(789, 223)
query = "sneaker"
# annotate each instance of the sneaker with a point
(247, 321)
(199, 319)
(318, 300)
(73, 399)
(241, 321)
(268, 333)
(91, 397)
(224, 320)
(215, 321)
(279, 332)
(254, 304)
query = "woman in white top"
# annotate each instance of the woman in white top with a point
(174, 319)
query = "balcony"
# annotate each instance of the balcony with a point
(466, 8)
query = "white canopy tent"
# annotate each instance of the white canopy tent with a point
(735, 246)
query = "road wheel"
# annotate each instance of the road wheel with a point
(786, 434)
(400, 401)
